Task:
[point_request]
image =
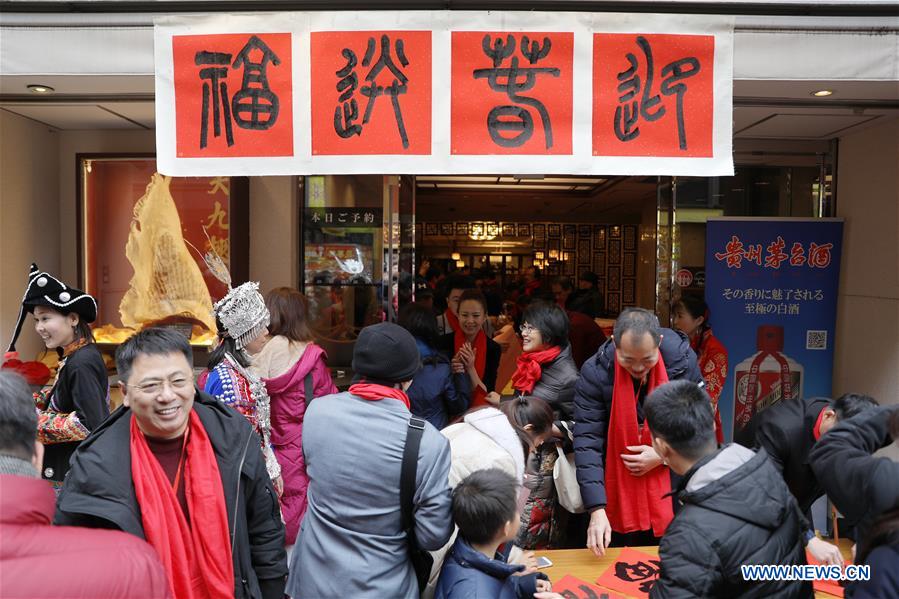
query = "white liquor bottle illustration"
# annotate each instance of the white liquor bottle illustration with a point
(766, 377)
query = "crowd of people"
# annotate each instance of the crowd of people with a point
(434, 473)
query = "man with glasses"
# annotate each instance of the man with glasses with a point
(177, 468)
(623, 482)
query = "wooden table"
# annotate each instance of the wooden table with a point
(581, 563)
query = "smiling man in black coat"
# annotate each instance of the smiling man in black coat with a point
(736, 512)
(637, 344)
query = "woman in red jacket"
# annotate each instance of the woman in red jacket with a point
(284, 365)
(691, 317)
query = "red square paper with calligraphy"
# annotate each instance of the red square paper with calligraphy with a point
(233, 95)
(371, 92)
(633, 573)
(653, 95)
(511, 92)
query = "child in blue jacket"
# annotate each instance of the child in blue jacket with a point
(485, 510)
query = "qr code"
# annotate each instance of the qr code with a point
(816, 340)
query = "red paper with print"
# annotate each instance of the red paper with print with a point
(233, 95)
(371, 92)
(633, 573)
(653, 94)
(512, 92)
(575, 588)
(824, 586)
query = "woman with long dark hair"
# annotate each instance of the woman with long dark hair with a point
(76, 401)
(437, 394)
(289, 364)
(691, 317)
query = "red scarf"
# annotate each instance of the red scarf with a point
(478, 395)
(528, 371)
(634, 502)
(196, 556)
(374, 392)
(817, 430)
(453, 321)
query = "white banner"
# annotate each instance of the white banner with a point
(444, 92)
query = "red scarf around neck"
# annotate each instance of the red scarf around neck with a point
(196, 556)
(816, 432)
(374, 392)
(528, 371)
(478, 395)
(634, 502)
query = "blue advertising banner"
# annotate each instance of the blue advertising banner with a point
(771, 288)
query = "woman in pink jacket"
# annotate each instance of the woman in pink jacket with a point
(284, 364)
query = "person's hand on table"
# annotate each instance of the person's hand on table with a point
(548, 595)
(599, 532)
(526, 558)
(825, 552)
(642, 460)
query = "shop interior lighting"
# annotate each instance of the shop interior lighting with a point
(37, 88)
(456, 256)
(822, 93)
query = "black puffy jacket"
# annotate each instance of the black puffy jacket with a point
(860, 485)
(736, 511)
(99, 493)
(556, 384)
(593, 406)
(786, 431)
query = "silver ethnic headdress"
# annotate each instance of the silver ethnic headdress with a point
(242, 311)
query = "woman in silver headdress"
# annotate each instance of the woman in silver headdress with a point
(242, 320)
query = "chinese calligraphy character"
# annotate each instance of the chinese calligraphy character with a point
(754, 254)
(213, 81)
(675, 73)
(733, 252)
(343, 120)
(513, 80)
(397, 87)
(254, 96)
(218, 184)
(819, 255)
(642, 572)
(776, 255)
(797, 255)
(217, 217)
(648, 107)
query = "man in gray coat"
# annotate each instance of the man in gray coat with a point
(351, 543)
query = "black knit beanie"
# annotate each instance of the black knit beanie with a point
(386, 352)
